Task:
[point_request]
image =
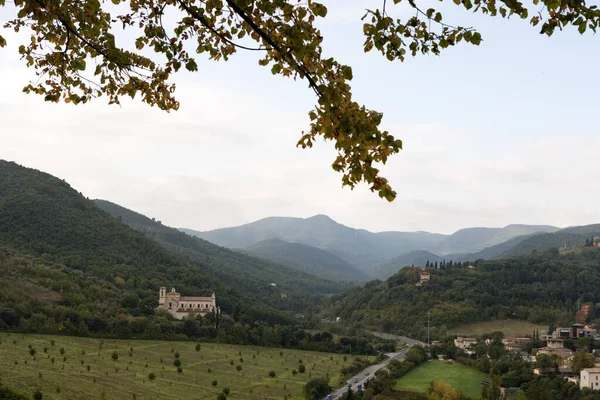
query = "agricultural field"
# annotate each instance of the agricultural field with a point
(457, 375)
(63, 367)
(510, 328)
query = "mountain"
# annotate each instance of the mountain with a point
(358, 247)
(230, 266)
(542, 287)
(308, 259)
(417, 258)
(68, 266)
(471, 240)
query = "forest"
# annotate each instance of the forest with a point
(542, 287)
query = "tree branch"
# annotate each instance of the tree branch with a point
(202, 19)
(274, 45)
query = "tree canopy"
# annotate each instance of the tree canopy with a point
(67, 34)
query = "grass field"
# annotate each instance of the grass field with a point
(459, 376)
(510, 328)
(87, 370)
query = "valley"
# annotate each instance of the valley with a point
(84, 275)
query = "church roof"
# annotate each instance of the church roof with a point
(195, 298)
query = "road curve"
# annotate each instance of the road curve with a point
(369, 372)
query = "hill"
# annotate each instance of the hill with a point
(355, 246)
(471, 240)
(359, 247)
(230, 266)
(417, 258)
(308, 259)
(541, 288)
(68, 266)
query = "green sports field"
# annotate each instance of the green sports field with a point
(85, 369)
(457, 375)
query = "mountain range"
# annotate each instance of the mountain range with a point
(376, 254)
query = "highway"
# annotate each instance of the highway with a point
(369, 372)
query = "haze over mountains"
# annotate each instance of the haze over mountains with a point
(378, 254)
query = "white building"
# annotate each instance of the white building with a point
(181, 306)
(464, 342)
(590, 378)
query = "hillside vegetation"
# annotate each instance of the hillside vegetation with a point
(238, 270)
(86, 369)
(308, 259)
(66, 265)
(541, 288)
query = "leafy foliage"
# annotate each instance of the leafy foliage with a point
(67, 34)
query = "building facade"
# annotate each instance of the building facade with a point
(184, 306)
(589, 378)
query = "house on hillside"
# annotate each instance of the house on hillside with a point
(424, 277)
(181, 306)
(589, 378)
(556, 346)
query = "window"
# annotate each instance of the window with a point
(170, 306)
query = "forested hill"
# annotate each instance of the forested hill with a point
(62, 257)
(307, 258)
(543, 287)
(249, 274)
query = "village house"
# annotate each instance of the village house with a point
(556, 346)
(574, 332)
(589, 378)
(515, 344)
(464, 342)
(182, 306)
(423, 278)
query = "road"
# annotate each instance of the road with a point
(369, 372)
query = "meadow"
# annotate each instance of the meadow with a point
(510, 328)
(64, 367)
(457, 375)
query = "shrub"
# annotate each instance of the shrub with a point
(272, 374)
(115, 355)
(177, 362)
(62, 351)
(226, 391)
(32, 351)
(231, 362)
(221, 396)
(294, 372)
(198, 347)
(239, 367)
(176, 354)
(214, 383)
(151, 376)
(301, 368)
(179, 369)
(37, 395)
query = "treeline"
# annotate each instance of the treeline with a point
(543, 287)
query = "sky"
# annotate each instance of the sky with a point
(503, 133)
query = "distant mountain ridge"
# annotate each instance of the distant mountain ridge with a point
(359, 247)
(308, 259)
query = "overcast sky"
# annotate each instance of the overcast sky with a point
(498, 134)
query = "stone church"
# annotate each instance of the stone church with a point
(181, 306)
